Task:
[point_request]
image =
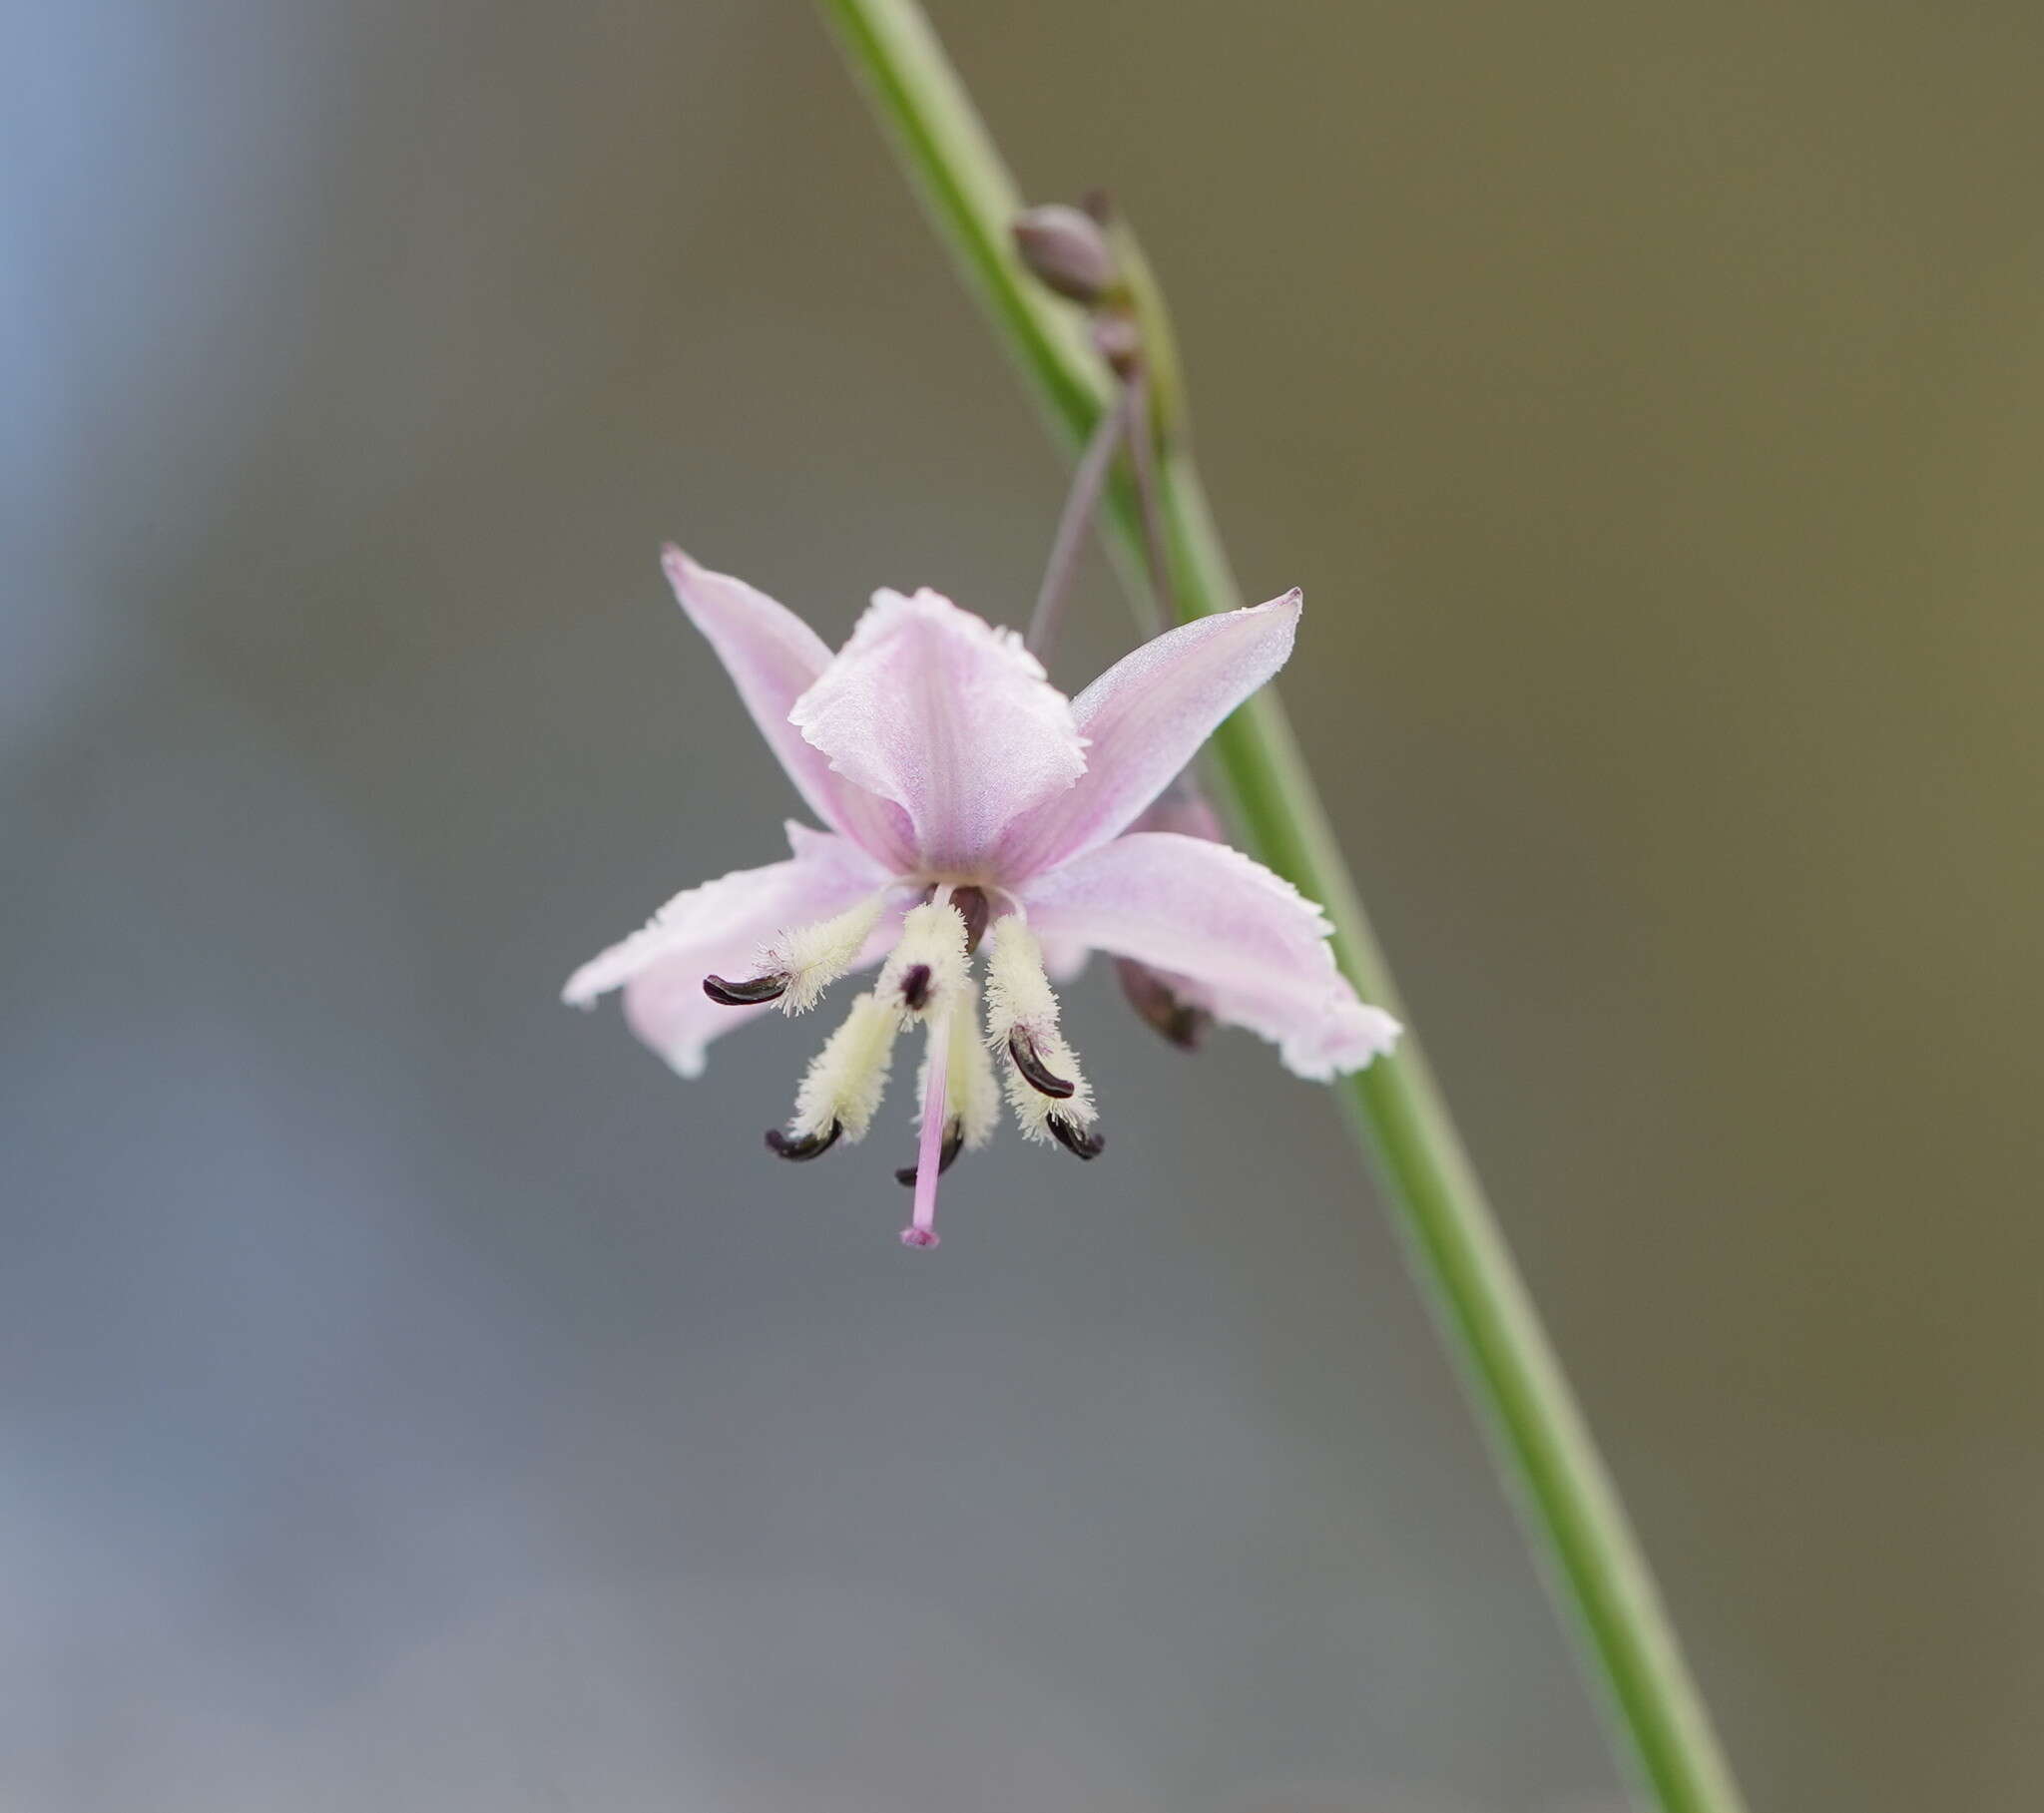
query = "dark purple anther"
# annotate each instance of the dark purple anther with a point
(1045, 1082)
(915, 987)
(809, 1145)
(1075, 1139)
(973, 907)
(755, 992)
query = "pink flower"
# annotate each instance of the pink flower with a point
(966, 798)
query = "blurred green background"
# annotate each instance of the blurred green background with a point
(417, 1399)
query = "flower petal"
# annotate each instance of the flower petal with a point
(1145, 718)
(1256, 948)
(774, 657)
(952, 719)
(721, 926)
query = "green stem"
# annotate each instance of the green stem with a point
(1537, 1432)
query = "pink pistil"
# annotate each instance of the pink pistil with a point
(929, 1156)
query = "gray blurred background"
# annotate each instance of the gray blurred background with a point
(417, 1399)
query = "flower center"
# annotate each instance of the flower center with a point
(927, 980)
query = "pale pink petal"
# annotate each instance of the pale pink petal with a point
(1182, 809)
(1064, 959)
(719, 928)
(1143, 719)
(1254, 946)
(933, 708)
(774, 657)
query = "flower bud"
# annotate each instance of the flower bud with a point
(1064, 248)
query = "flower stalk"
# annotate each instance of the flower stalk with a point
(1537, 1432)
(1089, 478)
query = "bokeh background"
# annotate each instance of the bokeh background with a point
(417, 1399)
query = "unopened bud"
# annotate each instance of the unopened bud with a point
(1064, 248)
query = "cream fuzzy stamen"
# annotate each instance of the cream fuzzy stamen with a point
(845, 1081)
(812, 957)
(1045, 1085)
(926, 971)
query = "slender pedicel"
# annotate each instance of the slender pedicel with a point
(1056, 244)
(1080, 1142)
(1080, 502)
(1022, 1049)
(757, 992)
(803, 1145)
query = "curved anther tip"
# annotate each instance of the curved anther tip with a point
(919, 1236)
(757, 992)
(1046, 1082)
(808, 1146)
(955, 1144)
(1075, 1139)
